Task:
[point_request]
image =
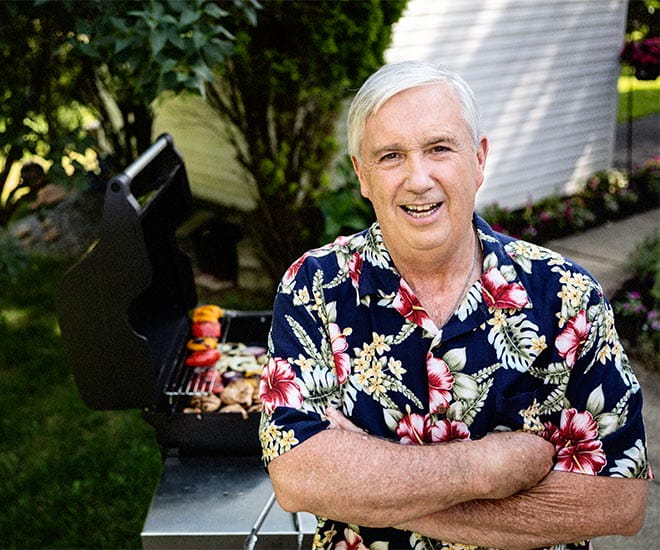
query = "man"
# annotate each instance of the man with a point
(434, 384)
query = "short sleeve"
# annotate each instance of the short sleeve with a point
(602, 433)
(294, 400)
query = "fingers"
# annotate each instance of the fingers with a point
(339, 422)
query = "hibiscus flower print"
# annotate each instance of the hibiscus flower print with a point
(352, 541)
(441, 382)
(449, 430)
(499, 293)
(407, 304)
(290, 274)
(572, 338)
(278, 387)
(339, 346)
(355, 269)
(575, 441)
(417, 429)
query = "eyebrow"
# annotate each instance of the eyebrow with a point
(439, 138)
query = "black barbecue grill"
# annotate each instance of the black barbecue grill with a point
(124, 312)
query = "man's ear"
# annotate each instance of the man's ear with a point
(482, 153)
(359, 172)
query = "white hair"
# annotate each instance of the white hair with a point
(393, 78)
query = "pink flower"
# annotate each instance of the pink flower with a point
(278, 387)
(448, 430)
(291, 273)
(355, 268)
(572, 338)
(441, 382)
(407, 304)
(578, 449)
(416, 429)
(341, 240)
(352, 541)
(497, 292)
(339, 346)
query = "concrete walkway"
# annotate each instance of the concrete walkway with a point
(604, 251)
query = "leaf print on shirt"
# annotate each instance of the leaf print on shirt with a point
(608, 422)
(468, 392)
(374, 250)
(635, 465)
(349, 262)
(576, 443)
(515, 339)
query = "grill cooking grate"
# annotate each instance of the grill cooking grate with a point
(237, 358)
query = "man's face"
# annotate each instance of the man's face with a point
(420, 171)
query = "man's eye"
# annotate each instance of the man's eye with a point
(389, 156)
(440, 148)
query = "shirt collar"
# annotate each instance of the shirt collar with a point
(379, 275)
(378, 271)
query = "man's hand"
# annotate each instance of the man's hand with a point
(339, 422)
(514, 461)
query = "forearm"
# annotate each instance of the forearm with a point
(563, 508)
(356, 478)
(360, 479)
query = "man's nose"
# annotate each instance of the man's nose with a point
(418, 174)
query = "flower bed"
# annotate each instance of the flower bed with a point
(637, 302)
(643, 56)
(607, 195)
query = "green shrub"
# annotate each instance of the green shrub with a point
(344, 210)
(637, 304)
(12, 258)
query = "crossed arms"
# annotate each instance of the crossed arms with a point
(497, 491)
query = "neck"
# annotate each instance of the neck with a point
(440, 282)
(440, 268)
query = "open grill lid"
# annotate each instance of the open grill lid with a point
(123, 308)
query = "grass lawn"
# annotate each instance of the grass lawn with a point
(72, 478)
(645, 98)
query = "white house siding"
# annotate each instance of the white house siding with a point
(200, 136)
(545, 74)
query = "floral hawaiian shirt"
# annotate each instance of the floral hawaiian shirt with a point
(532, 346)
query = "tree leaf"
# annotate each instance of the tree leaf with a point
(214, 10)
(188, 17)
(157, 41)
(123, 43)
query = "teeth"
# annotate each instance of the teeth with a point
(419, 211)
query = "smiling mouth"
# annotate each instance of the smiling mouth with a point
(421, 210)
